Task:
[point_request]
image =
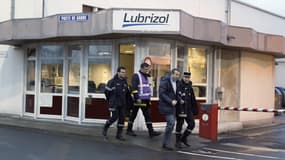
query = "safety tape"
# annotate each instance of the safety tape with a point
(252, 109)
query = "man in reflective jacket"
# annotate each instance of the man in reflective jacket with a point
(185, 110)
(141, 91)
(117, 92)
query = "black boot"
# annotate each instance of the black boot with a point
(184, 138)
(119, 134)
(105, 129)
(178, 141)
(130, 131)
(151, 132)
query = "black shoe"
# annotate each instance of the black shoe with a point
(178, 145)
(104, 133)
(165, 147)
(131, 133)
(120, 138)
(184, 141)
(153, 134)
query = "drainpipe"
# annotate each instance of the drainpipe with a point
(12, 14)
(228, 11)
(43, 8)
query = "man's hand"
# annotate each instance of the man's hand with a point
(174, 102)
(182, 102)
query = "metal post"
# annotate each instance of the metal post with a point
(12, 14)
(43, 8)
(228, 11)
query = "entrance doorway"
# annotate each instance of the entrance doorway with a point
(51, 77)
(126, 58)
(73, 81)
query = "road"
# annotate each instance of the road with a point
(17, 143)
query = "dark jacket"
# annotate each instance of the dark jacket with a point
(186, 93)
(166, 96)
(117, 92)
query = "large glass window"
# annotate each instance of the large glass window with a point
(52, 69)
(31, 76)
(159, 53)
(31, 66)
(197, 65)
(74, 55)
(99, 67)
(180, 58)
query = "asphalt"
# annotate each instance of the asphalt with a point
(95, 131)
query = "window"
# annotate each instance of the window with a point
(159, 53)
(51, 69)
(74, 69)
(87, 8)
(180, 59)
(127, 54)
(99, 67)
(31, 66)
(197, 65)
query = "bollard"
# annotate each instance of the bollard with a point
(208, 124)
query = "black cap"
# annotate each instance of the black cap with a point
(187, 74)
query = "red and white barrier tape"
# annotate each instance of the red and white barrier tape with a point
(252, 109)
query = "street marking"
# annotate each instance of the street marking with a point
(254, 147)
(239, 153)
(209, 156)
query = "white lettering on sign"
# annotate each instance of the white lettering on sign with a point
(73, 18)
(146, 20)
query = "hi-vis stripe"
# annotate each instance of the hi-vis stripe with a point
(141, 87)
(134, 91)
(140, 104)
(109, 89)
(252, 109)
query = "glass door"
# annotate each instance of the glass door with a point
(127, 54)
(197, 65)
(51, 81)
(73, 82)
(30, 81)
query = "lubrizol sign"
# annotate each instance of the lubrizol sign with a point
(146, 20)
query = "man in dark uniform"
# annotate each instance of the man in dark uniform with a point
(141, 91)
(117, 92)
(185, 110)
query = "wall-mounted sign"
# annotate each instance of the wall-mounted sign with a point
(73, 18)
(146, 20)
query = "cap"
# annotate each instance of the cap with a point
(187, 74)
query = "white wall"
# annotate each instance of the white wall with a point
(28, 8)
(11, 80)
(214, 9)
(260, 21)
(5, 7)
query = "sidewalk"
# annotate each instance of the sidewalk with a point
(94, 131)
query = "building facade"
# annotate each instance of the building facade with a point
(55, 60)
